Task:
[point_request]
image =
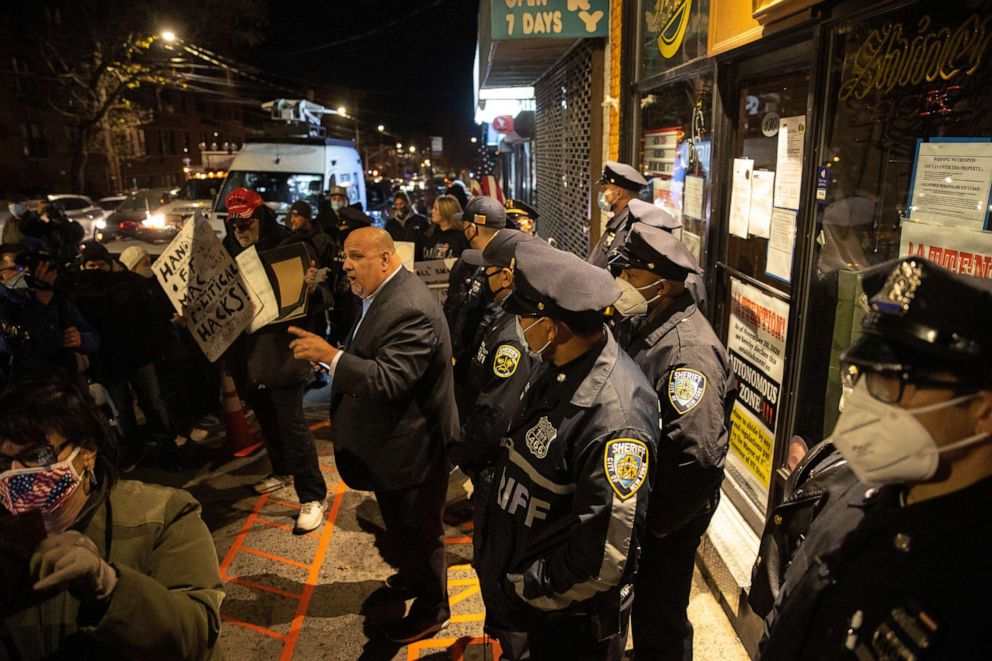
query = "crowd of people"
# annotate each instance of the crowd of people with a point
(588, 400)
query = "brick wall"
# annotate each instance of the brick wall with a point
(616, 34)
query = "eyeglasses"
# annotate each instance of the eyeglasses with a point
(36, 457)
(888, 386)
(241, 223)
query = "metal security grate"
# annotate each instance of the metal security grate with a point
(564, 111)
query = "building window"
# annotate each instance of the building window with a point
(35, 140)
(673, 32)
(168, 141)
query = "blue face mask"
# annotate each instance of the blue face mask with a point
(337, 206)
(603, 203)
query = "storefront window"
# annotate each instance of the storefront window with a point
(676, 144)
(765, 195)
(907, 164)
(673, 32)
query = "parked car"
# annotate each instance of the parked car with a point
(197, 194)
(81, 209)
(139, 217)
(111, 202)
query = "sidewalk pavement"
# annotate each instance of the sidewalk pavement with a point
(322, 595)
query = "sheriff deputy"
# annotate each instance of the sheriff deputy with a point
(676, 348)
(618, 185)
(572, 481)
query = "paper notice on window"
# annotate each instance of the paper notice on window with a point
(693, 197)
(951, 184)
(762, 184)
(789, 180)
(740, 197)
(781, 244)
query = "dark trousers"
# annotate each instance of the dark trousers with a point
(144, 382)
(291, 447)
(561, 637)
(413, 526)
(662, 585)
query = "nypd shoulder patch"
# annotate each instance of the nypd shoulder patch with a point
(505, 361)
(685, 389)
(625, 461)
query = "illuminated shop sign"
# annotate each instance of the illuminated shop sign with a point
(670, 19)
(549, 19)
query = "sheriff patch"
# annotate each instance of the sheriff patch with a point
(625, 461)
(685, 389)
(539, 437)
(505, 361)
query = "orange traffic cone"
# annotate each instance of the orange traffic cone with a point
(241, 442)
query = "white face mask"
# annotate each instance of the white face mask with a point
(17, 209)
(632, 302)
(885, 444)
(536, 354)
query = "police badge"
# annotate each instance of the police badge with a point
(505, 361)
(685, 389)
(625, 461)
(539, 437)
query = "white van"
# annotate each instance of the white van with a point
(284, 170)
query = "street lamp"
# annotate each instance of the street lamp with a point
(474, 140)
(381, 128)
(168, 36)
(342, 111)
(413, 150)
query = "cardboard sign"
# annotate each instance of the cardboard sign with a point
(204, 285)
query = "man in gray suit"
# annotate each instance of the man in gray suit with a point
(393, 410)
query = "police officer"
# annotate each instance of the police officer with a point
(900, 570)
(676, 348)
(654, 216)
(469, 307)
(497, 373)
(618, 185)
(523, 215)
(572, 481)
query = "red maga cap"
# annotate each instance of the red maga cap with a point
(242, 202)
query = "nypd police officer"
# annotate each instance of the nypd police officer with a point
(676, 348)
(618, 186)
(572, 481)
(523, 215)
(900, 570)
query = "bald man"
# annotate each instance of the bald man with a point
(393, 410)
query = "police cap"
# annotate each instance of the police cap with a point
(622, 175)
(653, 215)
(352, 218)
(485, 211)
(500, 251)
(653, 249)
(338, 190)
(922, 317)
(548, 282)
(517, 208)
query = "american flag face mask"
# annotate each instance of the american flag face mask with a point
(44, 488)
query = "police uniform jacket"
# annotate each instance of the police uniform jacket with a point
(570, 492)
(879, 580)
(613, 237)
(392, 405)
(467, 306)
(689, 369)
(495, 380)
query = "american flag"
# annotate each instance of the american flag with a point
(493, 187)
(42, 489)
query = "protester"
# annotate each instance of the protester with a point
(17, 205)
(404, 224)
(445, 238)
(573, 477)
(618, 185)
(117, 569)
(267, 375)
(393, 413)
(8, 261)
(676, 348)
(121, 308)
(894, 567)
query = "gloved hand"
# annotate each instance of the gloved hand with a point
(71, 560)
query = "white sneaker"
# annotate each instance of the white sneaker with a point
(272, 483)
(311, 516)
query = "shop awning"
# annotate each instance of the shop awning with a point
(514, 63)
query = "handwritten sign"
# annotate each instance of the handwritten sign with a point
(549, 19)
(204, 285)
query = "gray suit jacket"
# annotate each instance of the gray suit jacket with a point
(392, 404)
